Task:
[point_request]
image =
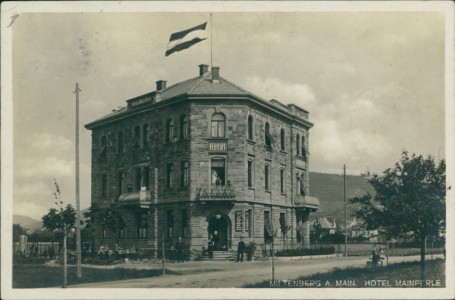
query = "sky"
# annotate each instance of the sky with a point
(373, 83)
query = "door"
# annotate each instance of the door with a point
(218, 229)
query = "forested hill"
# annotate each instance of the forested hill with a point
(329, 189)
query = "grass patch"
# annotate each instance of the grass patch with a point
(404, 274)
(40, 276)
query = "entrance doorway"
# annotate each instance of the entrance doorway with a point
(218, 229)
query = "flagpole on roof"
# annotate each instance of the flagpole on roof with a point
(211, 40)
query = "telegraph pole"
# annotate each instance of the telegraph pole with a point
(78, 205)
(345, 213)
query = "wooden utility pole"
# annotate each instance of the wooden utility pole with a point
(78, 205)
(65, 265)
(345, 213)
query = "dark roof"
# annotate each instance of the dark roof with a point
(198, 86)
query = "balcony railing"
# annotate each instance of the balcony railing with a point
(307, 202)
(142, 198)
(217, 192)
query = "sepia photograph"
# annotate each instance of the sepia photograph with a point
(227, 150)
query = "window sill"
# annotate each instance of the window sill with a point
(268, 148)
(251, 188)
(268, 191)
(250, 142)
(283, 152)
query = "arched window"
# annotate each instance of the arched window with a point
(250, 127)
(169, 131)
(267, 135)
(184, 127)
(283, 140)
(297, 144)
(218, 125)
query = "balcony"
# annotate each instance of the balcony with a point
(217, 193)
(307, 202)
(143, 198)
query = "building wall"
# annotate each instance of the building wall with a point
(196, 150)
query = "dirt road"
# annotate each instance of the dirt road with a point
(223, 274)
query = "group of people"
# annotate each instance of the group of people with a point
(240, 248)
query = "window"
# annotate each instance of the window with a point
(184, 224)
(121, 233)
(250, 172)
(169, 131)
(137, 179)
(120, 179)
(184, 127)
(218, 125)
(301, 184)
(145, 135)
(169, 174)
(137, 136)
(120, 142)
(297, 144)
(267, 135)
(248, 222)
(218, 171)
(267, 177)
(282, 186)
(283, 224)
(104, 233)
(250, 127)
(268, 229)
(103, 146)
(184, 170)
(303, 147)
(282, 140)
(103, 184)
(145, 177)
(142, 224)
(170, 223)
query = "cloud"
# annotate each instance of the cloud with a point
(276, 88)
(30, 209)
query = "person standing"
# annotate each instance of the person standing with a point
(210, 247)
(240, 250)
(180, 249)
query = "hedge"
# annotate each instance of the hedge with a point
(306, 252)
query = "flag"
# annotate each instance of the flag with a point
(184, 39)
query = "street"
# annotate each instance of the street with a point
(224, 274)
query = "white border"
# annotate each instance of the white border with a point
(11, 8)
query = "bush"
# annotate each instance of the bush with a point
(306, 252)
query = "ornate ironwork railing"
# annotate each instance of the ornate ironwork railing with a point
(217, 192)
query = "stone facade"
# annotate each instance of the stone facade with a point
(202, 157)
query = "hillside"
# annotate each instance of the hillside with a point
(329, 189)
(27, 222)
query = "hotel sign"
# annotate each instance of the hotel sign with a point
(217, 146)
(238, 221)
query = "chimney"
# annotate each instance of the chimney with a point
(160, 85)
(215, 74)
(203, 69)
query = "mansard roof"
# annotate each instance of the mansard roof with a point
(200, 87)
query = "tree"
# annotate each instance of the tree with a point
(60, 220)
(109, 217)
(18, 230)
(409, 198)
